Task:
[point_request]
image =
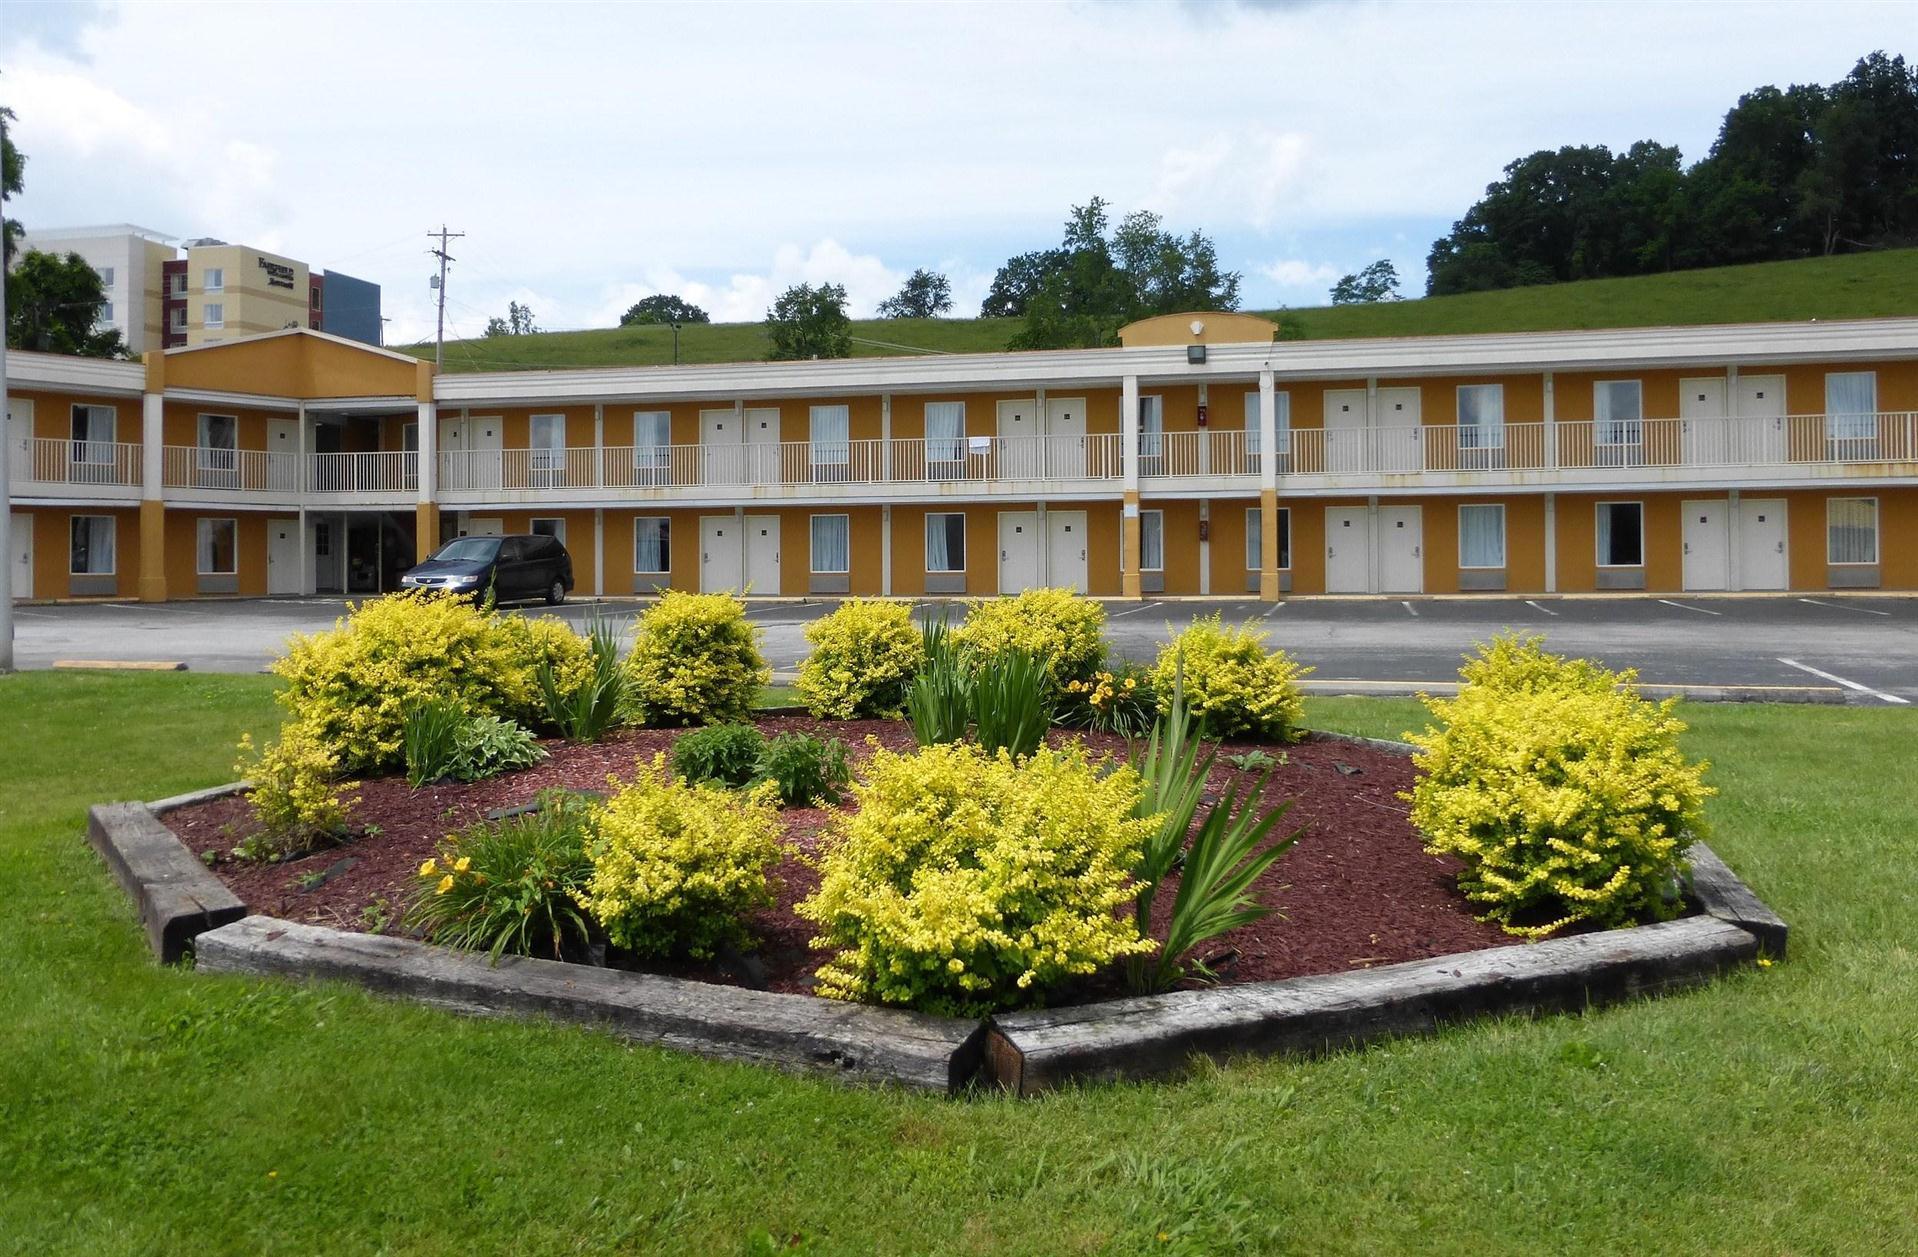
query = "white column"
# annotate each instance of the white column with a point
(1551, 425)
(599, 445)
(1268, 431)
(1042, 427)
(1370, 445)
(885, 463)
(1205, 546)
(152, 445)
(1734, 571)
(1204, 436)
(1129, 432)
(428, 456)
(599, 553)
(885, 550)
(1551, 540)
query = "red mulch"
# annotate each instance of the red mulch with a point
(1356, 891)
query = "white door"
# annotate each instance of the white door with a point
(1764, 562)
(762, 554)
(720, 554)
(1066, 550)
(452, 454)
(22, 557)
(283, 557)
(1066, 438)
(19, 437)
(1348, 550)
(1401, 550)
(721, 452)
(762, 448)
(1761, 411)
(1344, 430)
(1708, 433)
(283, 455)
(1018, 551)
(1707, 541)
(483, 526)
(485, 441)
(1397, 443)
(1019, 439)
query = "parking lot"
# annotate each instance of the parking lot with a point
(1785, 648)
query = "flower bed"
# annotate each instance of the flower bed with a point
(1357, 891)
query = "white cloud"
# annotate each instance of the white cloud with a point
(1298, 273)
(1247, 176)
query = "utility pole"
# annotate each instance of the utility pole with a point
(6, 474)
(439, 283)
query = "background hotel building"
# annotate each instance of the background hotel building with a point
(216, 292)
(1201, 457)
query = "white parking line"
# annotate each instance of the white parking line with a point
(1839, 606)
(1850, 685)
(1412, 610)
(1683, 607)
(1534, 606)
(1146, 606)
(1273, 611)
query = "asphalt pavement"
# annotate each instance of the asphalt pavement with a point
(1787, 648)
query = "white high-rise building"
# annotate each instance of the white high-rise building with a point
(129, 260)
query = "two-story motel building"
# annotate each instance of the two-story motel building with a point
(1200, 458)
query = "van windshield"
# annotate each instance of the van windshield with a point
(469, 550)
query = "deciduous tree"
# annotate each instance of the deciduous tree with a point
(809, 322)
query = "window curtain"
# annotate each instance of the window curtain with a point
(945, 431)
(217, 557)
(1851, 403)
(1481, 416)
(92, 546)
(830, 425)
(652, 438)
(1620, 543)
(1254, 540)
(1616, 407)
(945, 543)
(1152, 541)
(830, 543)
(1851, 534)
(1151, 427)
(652, 545)
(1481, 536)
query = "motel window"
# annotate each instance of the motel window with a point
(652, 544)
(410, 437)
(215, 282)
(945, 432)
(214, 314)
(1617, 412)
(93, 434)
(553, 527)
(652, 439)
(105, 314)
(91, 553)
(831, 544)
(1255, 539)
(1152, 427)
(178, 285)
(1851, 530)
(1152, 541)
(1481, 535)
(1282, 406)
(945, 542)
(218, 548)
(1621, 534)
(219, 442)
(1481, 416)
(1851, 405)
(106, 277)
(177, 318)
(831, 426)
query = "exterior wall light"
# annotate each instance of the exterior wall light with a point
(1195, 353)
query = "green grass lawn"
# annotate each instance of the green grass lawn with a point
(151, 1110)
(1864, 285)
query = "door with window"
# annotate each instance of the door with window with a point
(1348, 550)
(1706, 538)
(1401, 550)
(1764, 558)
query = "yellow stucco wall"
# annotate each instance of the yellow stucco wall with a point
(52, 544)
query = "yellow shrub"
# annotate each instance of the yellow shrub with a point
(965, 882)
(1567, 801)
(864, 657)
(695, 660)
(1231, 683)
(296, 797)
(677, 867)
(527, 642)
(1061, 629)
(353, 684)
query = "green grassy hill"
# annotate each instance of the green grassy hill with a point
(1857, 286)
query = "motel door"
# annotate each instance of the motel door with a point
(1395, 441)
(1761, 407)
(1707, 539)
(1066, 438)
(283, 557)
(1066, 550)
(721, 557)
(1018, 551)
(762, 554)
(1344, 430)
(1348, 550)
(1401, 550)
(1018, 444)
(1764, 560)
(22, 557)
(1710, 438)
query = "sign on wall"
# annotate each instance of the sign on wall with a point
(278, 274)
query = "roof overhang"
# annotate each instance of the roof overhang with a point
(28, 370)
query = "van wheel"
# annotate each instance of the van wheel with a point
(556, 593)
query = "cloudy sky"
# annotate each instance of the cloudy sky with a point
(594, 154)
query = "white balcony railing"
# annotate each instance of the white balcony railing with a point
(52, 461)
(238, 471)
(382, 471)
